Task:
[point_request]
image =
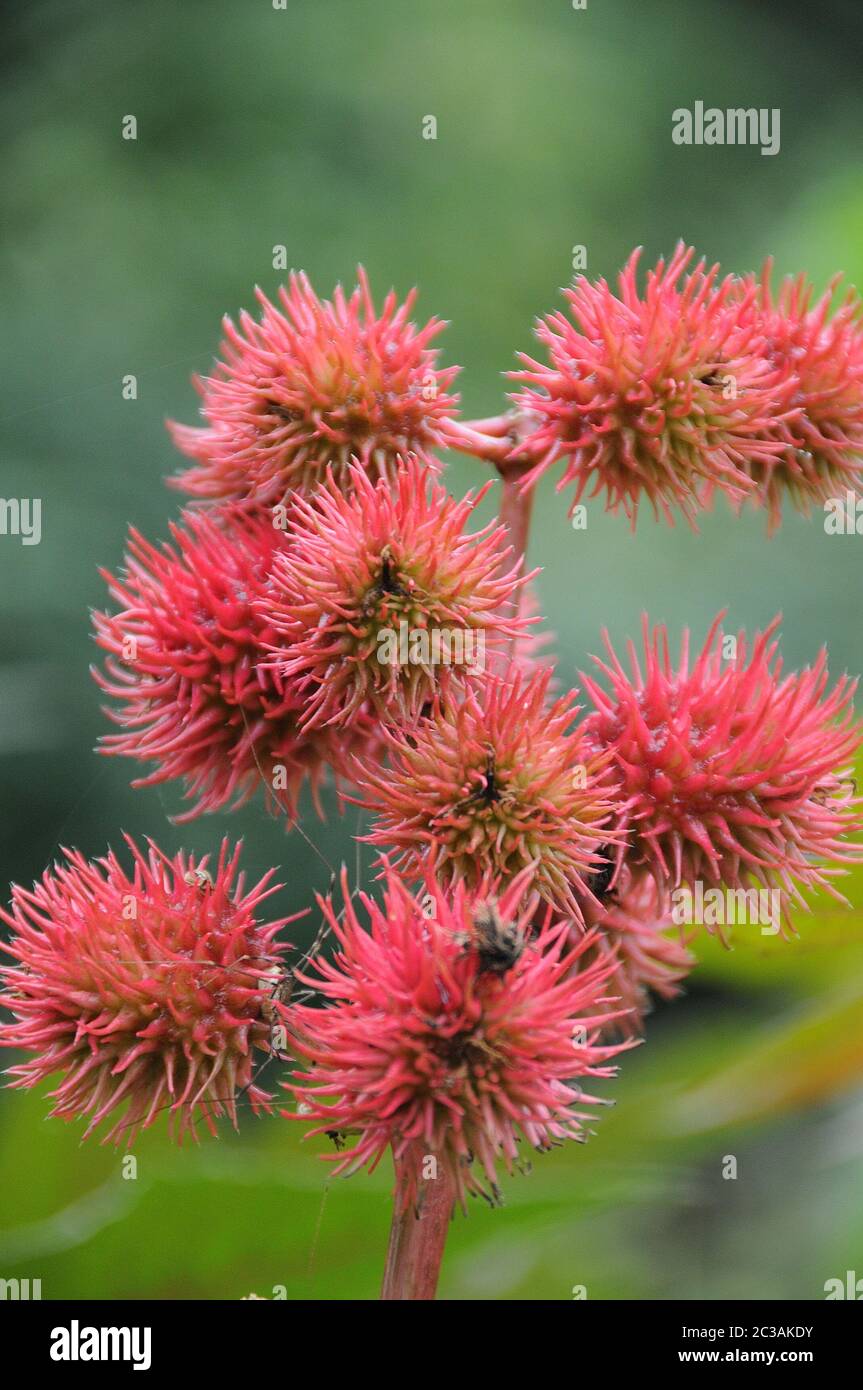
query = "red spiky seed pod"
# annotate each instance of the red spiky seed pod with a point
(729, 772)
(420, 1040)
(187, 652)
(382, 599)
(498, 782)
(314, 385)
(145, 992)
(663, 397)
(820, 345)
(634, 932)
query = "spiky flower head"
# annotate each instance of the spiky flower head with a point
(187, 652)
(498, 782)
(729, 772)
(634, 932)
(820, 345)
(144, 992)
(314, 384)
(660, 397)
(421, 1039)
(381, 598)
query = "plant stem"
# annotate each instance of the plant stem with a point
(491, 444)
(420, 1226)
(516, 506)
(419, 1230)
(495, 440)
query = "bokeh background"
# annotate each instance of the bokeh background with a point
(302, 127)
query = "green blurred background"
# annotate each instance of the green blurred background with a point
(302, 127)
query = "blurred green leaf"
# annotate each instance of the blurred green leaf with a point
(805, 1058)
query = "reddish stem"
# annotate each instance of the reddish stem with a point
(420, 1227)
(492, 444)
(516, 505)
(496, 440)
(492, 424)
